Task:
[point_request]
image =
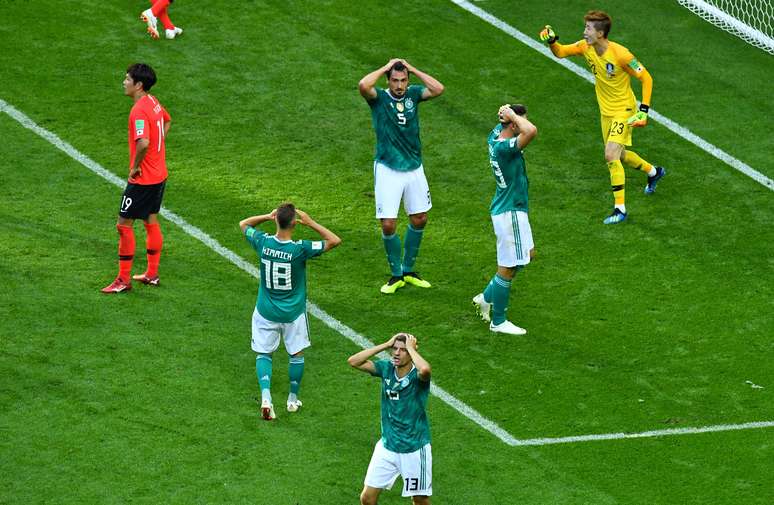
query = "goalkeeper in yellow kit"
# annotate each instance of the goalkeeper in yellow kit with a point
(612, 65)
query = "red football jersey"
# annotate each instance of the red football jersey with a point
(146, 121)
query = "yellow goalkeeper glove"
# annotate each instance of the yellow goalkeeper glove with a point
(547, 35)
(639, 119)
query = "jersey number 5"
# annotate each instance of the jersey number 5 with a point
(401, 118)
(276, 275)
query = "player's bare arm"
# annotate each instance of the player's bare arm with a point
(330, 238)
(433, 86)
(139, 155)
(167, 124)
(256, 220)
(362, 360)
(422, 366)
(527, 130)
(367, 85)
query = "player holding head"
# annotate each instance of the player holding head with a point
(612, 65)
(148, 127)
(159, 10)
(398, 170)
(509, 214)
(405, 444)
(281, 306)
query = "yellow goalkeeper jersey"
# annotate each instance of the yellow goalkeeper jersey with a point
(612, 75)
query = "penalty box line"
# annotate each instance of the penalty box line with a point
(340, 327)
(674, 127)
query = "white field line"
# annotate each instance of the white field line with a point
(676, 128)
(337, 325)
(213, 244)
(647, 434)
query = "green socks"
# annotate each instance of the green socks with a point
(392, 248)
(500, 290)
(295, 372)
(263, 372)
(411, 242)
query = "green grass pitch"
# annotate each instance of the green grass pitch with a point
(150, 397)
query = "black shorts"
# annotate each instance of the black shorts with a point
(140, 200)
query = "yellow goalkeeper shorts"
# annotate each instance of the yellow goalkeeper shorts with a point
(616, 129)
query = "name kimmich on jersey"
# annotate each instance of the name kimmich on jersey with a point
(282, 292)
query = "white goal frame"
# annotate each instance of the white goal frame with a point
(756, 32)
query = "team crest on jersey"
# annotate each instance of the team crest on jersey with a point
(399, 106)
(610, 69)
(409, 103)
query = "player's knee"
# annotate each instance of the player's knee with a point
(420, 500)
(418, 221)
(367, 498)
(388, 226)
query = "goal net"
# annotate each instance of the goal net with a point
(750, 20)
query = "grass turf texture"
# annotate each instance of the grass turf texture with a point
(149, 397)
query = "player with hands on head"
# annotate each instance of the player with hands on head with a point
(398, 169)
(613, 65)
(509, 214)
(404, 448)
(280, 310)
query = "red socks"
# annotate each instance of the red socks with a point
(159, 9)
(153, 244)
(126, 246)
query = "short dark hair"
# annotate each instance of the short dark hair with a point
(600, 19)
(398, 66)
(401, 338)
(519, 109)
(140, 72)
(286, 216)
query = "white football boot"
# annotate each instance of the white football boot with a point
(507, 327)
(482, 307)
(267, 410)
(171, 34)
(294, 406)
(148, 18)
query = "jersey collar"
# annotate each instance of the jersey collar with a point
(396, 99)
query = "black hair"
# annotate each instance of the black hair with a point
(140, 72)
(398, 66)
(286, 215)
(519, 109)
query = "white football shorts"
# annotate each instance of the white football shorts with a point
(266, 334)
(392, 185)
(514, 238)
(416, 468)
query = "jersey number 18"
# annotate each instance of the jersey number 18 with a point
(277, 275)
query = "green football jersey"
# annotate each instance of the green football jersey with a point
(404, 409)
(510, 173)
(282, 292)
(396, 123)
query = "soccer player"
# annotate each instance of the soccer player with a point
(398, 170)
(280, 310)
(509, 214)
(159, 10)
(149, 124)
(612, 65)
(405, 444)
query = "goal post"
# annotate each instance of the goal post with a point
(750, 20)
